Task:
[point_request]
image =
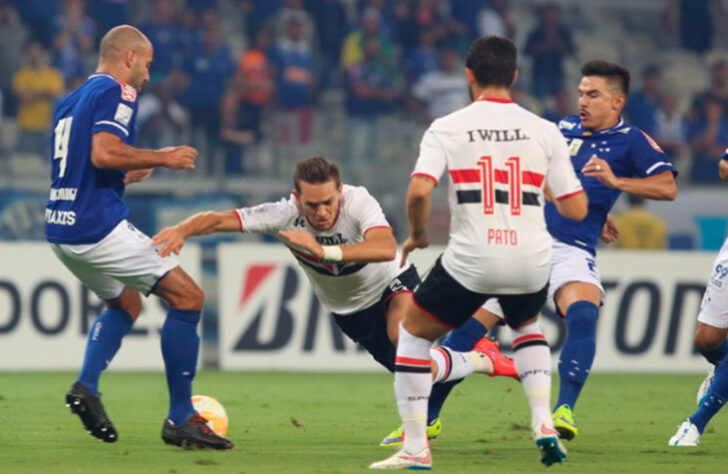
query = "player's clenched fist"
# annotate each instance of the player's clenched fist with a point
(180, 157)
(171, 239)
(600, 169)
(418, 240)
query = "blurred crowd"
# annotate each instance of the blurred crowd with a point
(229, 75)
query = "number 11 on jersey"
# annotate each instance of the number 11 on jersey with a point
(512, 177)
(60, 144)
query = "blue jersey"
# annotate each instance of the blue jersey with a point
(85, 201)
(630, 153)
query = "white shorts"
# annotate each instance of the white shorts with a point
(714, 307)
(568, 264)
(125, 257)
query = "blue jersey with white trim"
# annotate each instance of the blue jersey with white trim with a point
(85, 202)
(630, 153)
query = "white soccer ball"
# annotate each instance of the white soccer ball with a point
(213, 412)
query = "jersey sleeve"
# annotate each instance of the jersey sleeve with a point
(115, 111)
(366, 211)
(432, 161)
(648, 158)
(561, 177)
(268, 218)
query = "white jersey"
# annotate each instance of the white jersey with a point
(499, 156)
(345, 287)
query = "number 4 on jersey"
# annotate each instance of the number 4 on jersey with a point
(60, 141)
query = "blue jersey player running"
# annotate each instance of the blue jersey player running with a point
(93, 159)
(610, 157)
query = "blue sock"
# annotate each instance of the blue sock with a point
(104, 340)
(461, 339)
(577, 354)
(716, 355)
(715, 398)
(180, 345)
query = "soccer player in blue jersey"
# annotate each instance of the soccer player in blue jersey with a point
(710, 339)
(93, 160)
(610, 157)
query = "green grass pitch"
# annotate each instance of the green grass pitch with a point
(332, 423)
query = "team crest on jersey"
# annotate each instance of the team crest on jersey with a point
(575, 145)
(123, 114)
(128, 93)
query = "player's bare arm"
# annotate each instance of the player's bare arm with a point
(378, 246)
(610, 233)
(419, 201)
(203, 223)
(574, 207)
(661, 187)
(723, 170)
(136, 176)
(110, 152)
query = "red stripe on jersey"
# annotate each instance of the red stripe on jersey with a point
(240, 219)
(411, 361)
(425, 175)
(465, 176)
(500, 176)
(495, 99)
(528, 337)
(569, 195)
(534, 179)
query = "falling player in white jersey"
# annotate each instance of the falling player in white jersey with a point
(499, 157)
(342, 240)
(710, 339)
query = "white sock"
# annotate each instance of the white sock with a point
(533, 362)
(412, 385)
(453, 365)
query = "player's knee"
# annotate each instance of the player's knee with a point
(705, 341)
(192, 298)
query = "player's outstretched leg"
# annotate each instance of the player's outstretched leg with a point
(575, 363)
(104, 341)
(711, 342)
(180, 347)
(689, 432)
(533, 360)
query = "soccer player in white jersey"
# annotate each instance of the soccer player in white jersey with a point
(710, 339)
(499, 157)
(85, 222)
(342, 240)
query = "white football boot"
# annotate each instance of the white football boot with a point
(687, 435)
(403, 460)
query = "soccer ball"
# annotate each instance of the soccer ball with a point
(213, 412)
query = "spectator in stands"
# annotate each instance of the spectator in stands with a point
(467, 13)
(718, 90)
(708, 138)
(208, 67)
(13, 36)
(639, 228)
(74, 38)
(243, 105)
(295, 84)
(166, 36)
(293, 9)
(562, 105)
(39, 16)
(109, 13)
(670, 126)
(371, 91)
(162, 121)
(442, 91)
(353, 49)
(37, 85)
(496, 19)
(258, 14)
(432, 15)
(422, 59)
(331, 29)
(642, 105)
(696, 25)
(548, 45)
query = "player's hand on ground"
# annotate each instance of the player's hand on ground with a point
(600, 169)
(303, 240)
(180, 157)
(420, 241)
(136, 176)
(610, 233)
(171, 239)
